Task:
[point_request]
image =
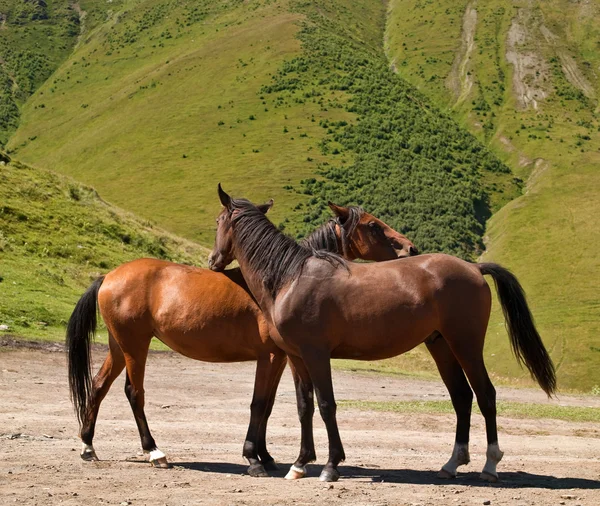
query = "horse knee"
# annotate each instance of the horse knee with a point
(258, 406)
(135, 397)
(327, 409)
(305, 410)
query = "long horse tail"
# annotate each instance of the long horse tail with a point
(524, 338)
(80, 331)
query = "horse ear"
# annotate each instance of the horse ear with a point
(264, 208)
(341, 212)
(224, 198)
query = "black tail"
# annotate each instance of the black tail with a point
(80, 331)
(524, 338)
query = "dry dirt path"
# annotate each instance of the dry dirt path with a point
(198, 414)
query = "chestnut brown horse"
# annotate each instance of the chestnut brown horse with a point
(319, 308)
(203, 315)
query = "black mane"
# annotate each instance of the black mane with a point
(276, 257)
(325, 238)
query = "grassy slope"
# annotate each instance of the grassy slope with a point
(410, 164)
(550, 236)
(152, 81)
(166, 101)
(35, 37)
(505, 409)
(56, 236)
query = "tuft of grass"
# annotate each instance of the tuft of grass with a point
(507, 409)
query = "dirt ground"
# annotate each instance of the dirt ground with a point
(198, 414)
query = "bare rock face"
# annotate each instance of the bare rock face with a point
(531, 72)
(460, 80)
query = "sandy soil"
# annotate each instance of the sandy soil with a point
(198, 414)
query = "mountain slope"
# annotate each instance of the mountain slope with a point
(164, 99)
(35, 37)
(56, 236)
(296, 100)
(160, 102)
(525, 78)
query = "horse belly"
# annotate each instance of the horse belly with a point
(385, 336)
(210, 335)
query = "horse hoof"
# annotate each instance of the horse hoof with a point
(329, 474)
(490, 478)
(90, 456)
(257, 471)
(270, 465)
(88, 453)
(161, 463)
(295, 473)
(445, 475)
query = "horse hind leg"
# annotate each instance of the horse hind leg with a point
(113, 365)
(134, 390)
(462, 400)
(470, 357)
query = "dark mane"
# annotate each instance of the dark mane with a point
(324, 238)
(276, 257)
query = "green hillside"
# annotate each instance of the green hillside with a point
(412, 109)
(161, 101)
(524, 77)
(35, 37)
(275, 99)
(56, 236)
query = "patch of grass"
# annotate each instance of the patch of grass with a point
(56, 236)
(506, 409)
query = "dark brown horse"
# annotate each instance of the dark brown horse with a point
(323, 308)
(203, 315)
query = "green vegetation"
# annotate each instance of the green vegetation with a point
(410, 164)
(35, 37)
(56, 236)
(507, 409)
(180, 95)
(155, 101)
(161, 100)
(549, 237)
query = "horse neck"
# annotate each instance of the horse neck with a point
(267, 258)
(255, 285)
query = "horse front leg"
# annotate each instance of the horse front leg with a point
(319, 367)
(306, 409)
(269, 368)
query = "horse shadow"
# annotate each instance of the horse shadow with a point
(509, 480)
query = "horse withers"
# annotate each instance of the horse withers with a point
(319, 308)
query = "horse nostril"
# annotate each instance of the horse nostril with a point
(412, 251)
